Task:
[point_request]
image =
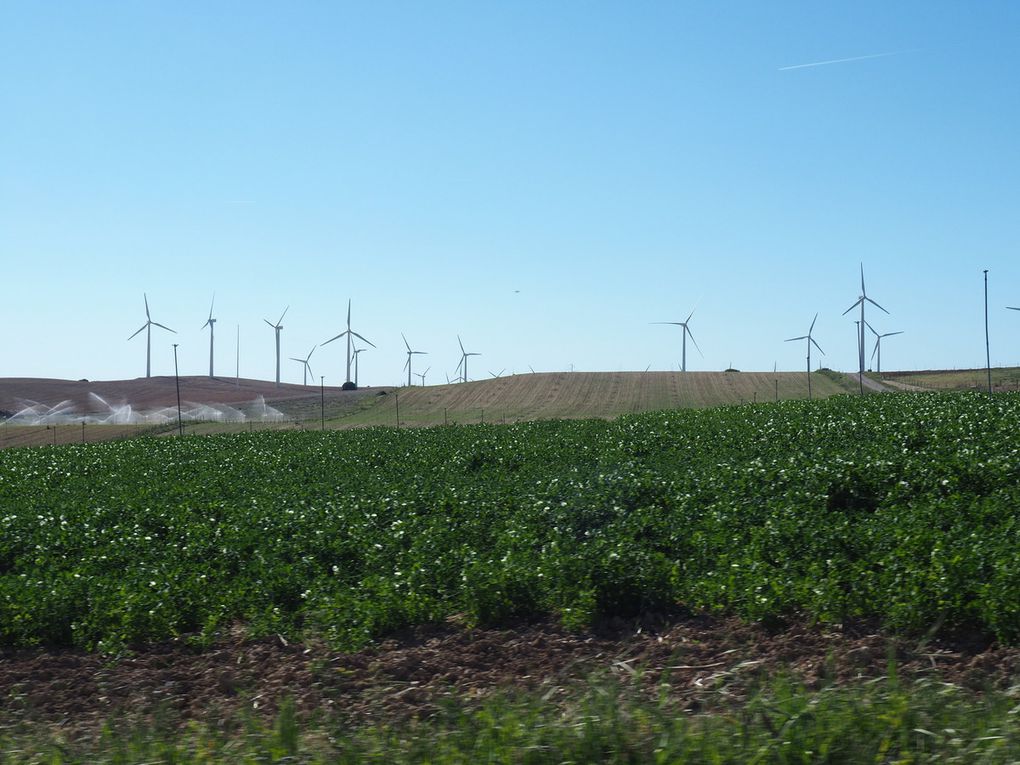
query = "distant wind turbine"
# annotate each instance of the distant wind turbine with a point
(810, 342)
(686, 332)
(278, 326)
(860, 331)
(147, 326)
(878, 345)
(357, 351)
(497, 374)
(307, 366)
(210, 322)
(349, 333)
(410, 353)
(462, 366)
(422, 375)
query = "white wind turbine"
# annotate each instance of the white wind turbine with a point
(810, 342)
(308, 367)
(878, 345)
(147, 326)
(210, 322)
(410, 353)
(686, 332)
(462, 366)
(860, 347)
(422, 376)
(357, 351)
(349, 333)
(278, 326)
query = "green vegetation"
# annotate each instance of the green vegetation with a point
(865, 723)
(901, 508)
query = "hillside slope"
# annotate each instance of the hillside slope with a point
(586, 394)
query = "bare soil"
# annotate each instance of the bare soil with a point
(696, 662)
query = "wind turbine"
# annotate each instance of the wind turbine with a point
(356, 352)
(349, 333)
(497, 374)
(463, 359)
(860, 302)
(278, 326)
(210, 322)
(878, 344)
(147, 326)
(686, 332)
(410, 353)
(810, 342)
(422, 376)
(308, 367)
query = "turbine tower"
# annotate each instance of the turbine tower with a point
(210, 322)
(878, 345)
(356, 352)
(860, 330)
(410, 353)
(686, 332)
(349, 333)
(147, 326)
(810, 342)
(308, 367)
(462, 366)
(278, 326)
(422, 376)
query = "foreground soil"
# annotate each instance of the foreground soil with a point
(697, 663)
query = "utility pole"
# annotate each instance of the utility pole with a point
(988, 352)
(322, 401)
(396, 403)
(177, 382)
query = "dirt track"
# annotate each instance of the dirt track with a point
(695, 661)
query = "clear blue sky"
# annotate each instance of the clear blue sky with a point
(618, 164)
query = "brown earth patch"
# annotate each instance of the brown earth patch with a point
(695, 662)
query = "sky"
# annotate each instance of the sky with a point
(545, 179)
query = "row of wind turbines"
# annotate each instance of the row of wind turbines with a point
(352, 350)
(461, 373)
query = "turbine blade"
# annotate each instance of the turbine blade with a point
(157, 324)
(674, 323)
(811, 328)
(334, 338)
(310, 372)
(406, 344)
(691, 335)
(212, 304)
(146, 298)
(875, 349)
(1012, 308)
(142, 327)
(420, 353)
(460, 344)
(871, 328)
(355, 334)
(802, 337)
(267, 321)
(816, 345)
(689, 316)
(311, 352)
(857, 303)
(408, 362)
(873, 302)
(863, 291)
(348, 313)
(890, 334)
(282, 315)
(300, 361)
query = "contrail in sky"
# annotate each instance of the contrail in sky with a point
(841, 60)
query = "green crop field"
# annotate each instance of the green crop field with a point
(900, 508)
